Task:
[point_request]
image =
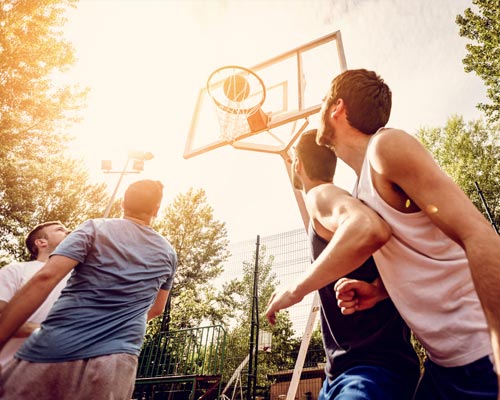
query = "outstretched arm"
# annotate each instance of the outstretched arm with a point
(27, 300)
(26, 329)
(358, 233)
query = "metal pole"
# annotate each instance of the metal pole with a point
(256, 314)
(124, 170)
(492, 221)
(165, 323)
(254, 329)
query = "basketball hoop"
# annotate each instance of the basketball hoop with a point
(265, 341)
(238, 94)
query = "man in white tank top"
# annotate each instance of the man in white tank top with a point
(442, 249)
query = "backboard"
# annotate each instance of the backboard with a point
(295, 83)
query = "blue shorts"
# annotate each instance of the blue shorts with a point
(369, 383)
(474, 381)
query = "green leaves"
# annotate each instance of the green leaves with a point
(483, 53)
(469, 152)
(38, 181)
(201, 245)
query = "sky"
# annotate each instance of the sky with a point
(145, 61)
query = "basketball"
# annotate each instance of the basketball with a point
(236, 88)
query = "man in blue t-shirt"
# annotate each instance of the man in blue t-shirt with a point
(121, 275)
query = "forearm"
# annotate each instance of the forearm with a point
(348, 249)
(484, 260)
(158, 306)
(25, 302)
(26, 329)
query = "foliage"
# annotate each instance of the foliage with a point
(483, 29)
(30, 195)
(201, 245)
(238, 346)
(316, 351)
(37, 181)
(469, 153)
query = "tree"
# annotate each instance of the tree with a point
(201, 245)
(37, 181)
(238, 344)
(483, 29)
(56, 189)
(468, 153)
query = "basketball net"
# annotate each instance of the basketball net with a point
(238, 94)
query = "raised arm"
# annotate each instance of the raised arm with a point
(27, 300)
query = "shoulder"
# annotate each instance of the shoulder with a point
(327, 190)
(389, 141)
(14, 275)
(21, 266)
(391, 150)
(326, 193)
(89, 225)
(328, 200)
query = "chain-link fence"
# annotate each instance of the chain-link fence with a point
(291, 257)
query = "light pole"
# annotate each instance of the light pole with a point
(138, 157)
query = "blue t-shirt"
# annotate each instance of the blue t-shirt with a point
(103, 309)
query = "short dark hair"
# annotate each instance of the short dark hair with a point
(143, 197)
(367, 99)
(319, 161)
(37, 233)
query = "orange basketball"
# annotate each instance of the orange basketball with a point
(236, 88)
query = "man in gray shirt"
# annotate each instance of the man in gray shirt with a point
(122, 272)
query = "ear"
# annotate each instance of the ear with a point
(297, 165)
(41, 243)
(336, 109)
(155, 213)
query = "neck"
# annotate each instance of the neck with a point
(43, 257)
(353, 150)
(139, 220)
(309, 184)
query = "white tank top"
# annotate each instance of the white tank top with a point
(427, 277)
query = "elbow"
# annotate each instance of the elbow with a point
(153, 313)
(44, 279)
(383, 236)
(378, 235)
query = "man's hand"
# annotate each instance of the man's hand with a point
(280, 300)
(354, 295)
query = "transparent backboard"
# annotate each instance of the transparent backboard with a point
(295, 83)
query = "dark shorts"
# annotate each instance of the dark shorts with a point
(369, 383)
(474, 381)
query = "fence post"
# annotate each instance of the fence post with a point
(254, 330)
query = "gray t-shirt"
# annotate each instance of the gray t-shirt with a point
(103, 308)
